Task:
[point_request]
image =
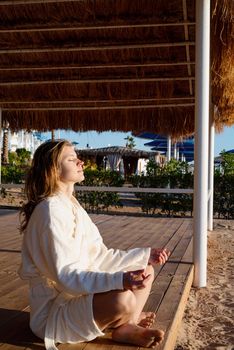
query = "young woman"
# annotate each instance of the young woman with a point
(79, 287)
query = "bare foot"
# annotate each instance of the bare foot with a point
(146, 319)
(133, 334)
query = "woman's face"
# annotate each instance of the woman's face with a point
(71, 168)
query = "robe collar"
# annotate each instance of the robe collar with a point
(72, 202)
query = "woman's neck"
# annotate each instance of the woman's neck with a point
(66, 188)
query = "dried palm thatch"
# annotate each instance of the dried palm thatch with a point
(223, 62)
(110, 64)
(122, 151)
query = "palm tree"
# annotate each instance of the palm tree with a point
(5, 157)
(130, 142)
(52, 135)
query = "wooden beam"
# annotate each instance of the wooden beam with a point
(130, 65)
(96, 48)
(70, 28)
(99, 101)
(29, 2)
(90, 81)
(99, 108)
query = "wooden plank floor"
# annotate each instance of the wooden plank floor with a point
(168, 296)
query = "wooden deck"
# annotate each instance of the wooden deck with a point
(168, 296)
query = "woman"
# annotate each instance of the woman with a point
(78, 287)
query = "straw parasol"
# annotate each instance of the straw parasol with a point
(119, 150)
(110, 64)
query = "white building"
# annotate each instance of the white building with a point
(23, 139)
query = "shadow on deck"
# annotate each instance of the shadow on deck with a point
(168, 295)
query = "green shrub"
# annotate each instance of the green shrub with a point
(174, 174)
(13, 174)
(224, 196)
(102, 178)
(95, 200)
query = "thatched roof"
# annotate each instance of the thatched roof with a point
(122, 151)
(110, 64)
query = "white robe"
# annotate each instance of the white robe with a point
(66, 263)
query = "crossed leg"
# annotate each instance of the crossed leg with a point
(121, 310)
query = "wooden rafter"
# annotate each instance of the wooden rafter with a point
(96, 48)
(29, 2)
(130, 100)
(88, 81)
(68, 28)
(103, 66)
(101, 107)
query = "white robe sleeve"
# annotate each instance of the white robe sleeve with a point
(113, 260)
(57, 261)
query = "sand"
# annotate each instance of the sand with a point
(208, 321)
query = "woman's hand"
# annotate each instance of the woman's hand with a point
(158, 256)
(135, 279)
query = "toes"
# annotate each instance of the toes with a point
(155, 343)
(155, 337)
(148, 320)
(146, 323)
(158, 337)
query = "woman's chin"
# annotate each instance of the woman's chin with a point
(81, 178)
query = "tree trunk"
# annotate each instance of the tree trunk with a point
(52, 135)
(5, 158)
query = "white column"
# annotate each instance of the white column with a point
(175, 150)
(211, 170)
(201, 141)
(21, 140)
(178, 154)
(32, 143)
(168, 148)
(24, 140)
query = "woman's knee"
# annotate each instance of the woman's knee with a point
(125, 303)
(113, 308)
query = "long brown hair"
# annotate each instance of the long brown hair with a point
(43, 176)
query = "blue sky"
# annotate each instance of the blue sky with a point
(224, 140)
